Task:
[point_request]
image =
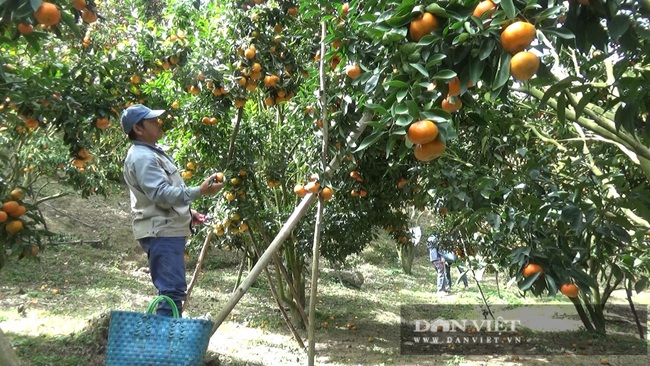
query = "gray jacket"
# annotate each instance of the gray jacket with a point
(160, 200)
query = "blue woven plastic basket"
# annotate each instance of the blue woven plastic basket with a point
(139, 339)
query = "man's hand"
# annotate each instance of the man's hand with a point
(197, 218)
(211, 185)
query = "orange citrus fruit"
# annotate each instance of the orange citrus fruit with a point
(421, 132)
(569, 289)
(25, 28)
(327, 193)
(88, 16)
(353, 71)
(299, 189)
(517, 36)
(454, 86)
(79, 4)
(485, 6)
(449, 106)
(48, 14)
(430, 150)
(312, 187)
(14, 226)
(532, 268)
(10, 207)
(524, 65)
(422, 25)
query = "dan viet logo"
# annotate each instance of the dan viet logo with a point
(451, 325)
(466, 331)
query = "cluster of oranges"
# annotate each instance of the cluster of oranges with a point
(425, 137)
(568, 289)
(254, 74)
(313, 186)
(11, 212)
(191, 167)
(235, 190)
(102, 123)
(83, 157)
(399, 234)
(235, 186)
(515, 39)
(88, 15)
(357, 192)
(233, 225)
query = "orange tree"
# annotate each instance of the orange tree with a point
(531, 198)
(56, 106)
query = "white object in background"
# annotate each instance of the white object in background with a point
(416, 235)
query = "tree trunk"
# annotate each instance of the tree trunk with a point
(406, 254)
(583, 315)
(7, 355)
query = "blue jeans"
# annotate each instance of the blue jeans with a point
(167, 268)
(440, 278)
(461, 269)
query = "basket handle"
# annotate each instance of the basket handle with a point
(160, 298)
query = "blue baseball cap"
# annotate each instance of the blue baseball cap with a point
(137, 113)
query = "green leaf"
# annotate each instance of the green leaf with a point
(444, 75)
(587, 97)
(427, 40)
(436, 58)
(582, 278)
(641, 284)
(376, 108)
(509, 8)
(368, 141)
(395, 83)
(409, 48)
(548, 13)
(436, 115)
(527, 282)
(393, 36)
(487, 46)
(573, 215)
(394, 19)
(503, 73)
(35, 4)
(404, 120)
(23, 10)
(551, 285)
(625, 116)
(414, 110)
(401, 95)
(401, 109)
(421, 69)
(621, 234)
(461, 38)
(560, 32)
(436, 10)
(371, 84)
(561, 108)
(556, 88)
(618, 25)
(476, 67)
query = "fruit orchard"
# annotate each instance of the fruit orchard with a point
(523, 123)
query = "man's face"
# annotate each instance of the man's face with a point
(149, 132)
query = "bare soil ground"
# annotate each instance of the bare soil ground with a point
(55, 311)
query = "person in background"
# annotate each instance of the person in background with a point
(435, 256)
(160, 202)
(451, 257)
